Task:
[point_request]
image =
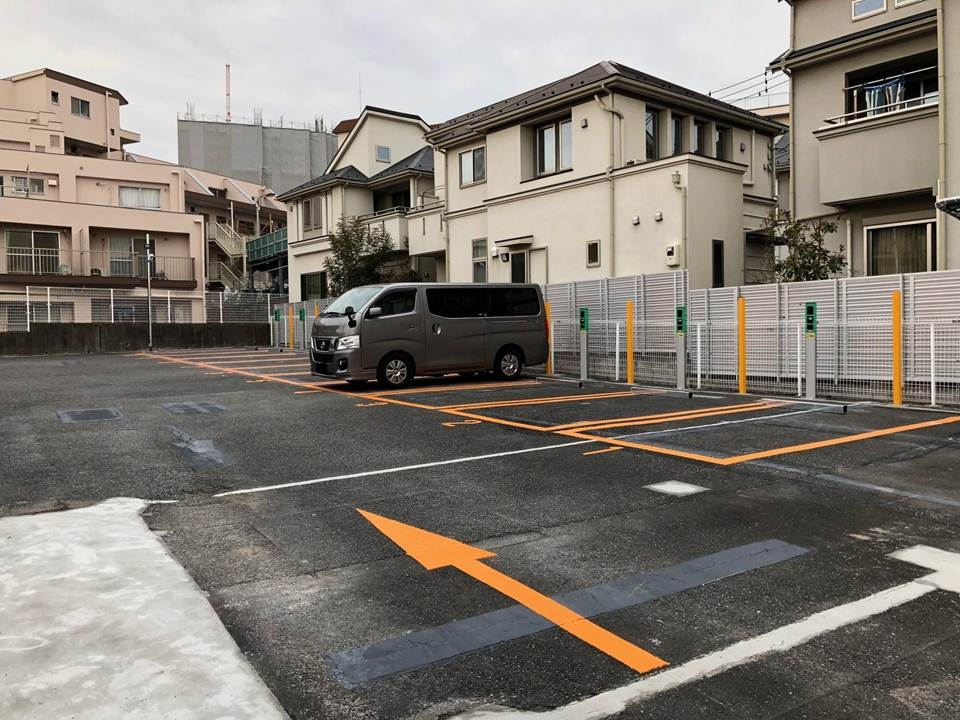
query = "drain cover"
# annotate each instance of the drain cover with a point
(193, 408)
(89, 415)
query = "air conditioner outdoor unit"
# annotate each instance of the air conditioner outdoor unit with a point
(673, 255)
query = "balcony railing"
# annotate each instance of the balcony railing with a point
(267, 246)
(93, 263)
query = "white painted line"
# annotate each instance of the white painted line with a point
(404, 468)
(676, 487)
(716, 424)
(784, 638)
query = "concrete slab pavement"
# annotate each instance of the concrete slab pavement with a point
(98, 621)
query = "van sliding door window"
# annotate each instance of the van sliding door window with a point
(456, 302)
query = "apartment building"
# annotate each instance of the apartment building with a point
(609, 172)
(72, 212)
(77, 207)
(873, 144)
(382, 173)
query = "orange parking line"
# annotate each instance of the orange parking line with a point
(605, 450)
(640, 446)
(679, 415)
(452, 388)
(259, 359)
(282, 366)
(290, 374)
(691, 416)
(536, 401)
(838, 441)
(245, 354)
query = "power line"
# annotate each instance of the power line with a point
(758, 94)
(775, 77)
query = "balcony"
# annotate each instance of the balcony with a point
(267, 247)
(50, 266)
(425, 225)
(393, 221)
(867, 156)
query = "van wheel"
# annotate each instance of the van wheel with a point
(509, 364)
(395, 371)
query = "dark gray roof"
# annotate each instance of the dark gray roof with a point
(348, 175)
(585, 80)
(421, 162)
(785, 58)
(781, 152)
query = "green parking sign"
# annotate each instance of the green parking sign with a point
(276, 314)
(303, 314)
(681, 326)
(584, 319)
(810, 318)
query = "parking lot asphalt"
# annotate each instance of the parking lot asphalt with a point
(807, 573)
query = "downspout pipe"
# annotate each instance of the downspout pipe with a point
(942, 136)
(611, 219)
(443, 216)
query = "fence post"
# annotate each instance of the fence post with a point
(630, 342)
(303, 321)
(699, 357)
(933, 364)
(290, 333)
(742, 345)
(270, 319)
(616, 353)
(546, 312)
(897, 303)
(221, 308)
(28, 308)
(49, 308)
(800, 361)
(169, 313)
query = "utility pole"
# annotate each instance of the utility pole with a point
(149, 249)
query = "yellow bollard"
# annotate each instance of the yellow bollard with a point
(897, 347)
(742, 345)
(290, 334)
(546, 312)
(630, 320)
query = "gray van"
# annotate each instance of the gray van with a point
(393, 332)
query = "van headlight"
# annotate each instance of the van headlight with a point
(350, 342)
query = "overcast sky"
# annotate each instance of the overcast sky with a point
(300, 60)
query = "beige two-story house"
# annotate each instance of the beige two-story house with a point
(609, 172)
(873, 143)
(382, 171)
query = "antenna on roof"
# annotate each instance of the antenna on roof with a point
(228, 91)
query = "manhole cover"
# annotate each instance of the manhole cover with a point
(89, 415)
(193, 408)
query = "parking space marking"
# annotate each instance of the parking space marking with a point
(536, 401)
(423, 647)
(722, 423)
(427, 389)
(585, 424)
(402, 468)
(773, 452)
(946, 576)
(436, 551)
(290, 374)
(281, 366)
(603, 451)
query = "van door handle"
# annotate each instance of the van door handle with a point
(437, 329)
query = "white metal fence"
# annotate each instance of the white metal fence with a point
(20, 310)
(290, 323)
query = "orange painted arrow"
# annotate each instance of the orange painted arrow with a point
(436, 551)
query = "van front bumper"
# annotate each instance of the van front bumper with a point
(343, 364)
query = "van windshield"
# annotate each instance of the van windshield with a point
(355, 298)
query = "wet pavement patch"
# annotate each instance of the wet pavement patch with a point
(199, 454)
(89, 415)
(201, 407)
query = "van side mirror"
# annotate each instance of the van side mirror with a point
(350, 313)
(375, 312)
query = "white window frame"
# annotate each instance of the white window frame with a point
(481, 259)
(901, 3)
(315, 219)
(140, 194)
(853, 10)
(376, 153)
(473, 166)
(931, 223)
(599, 256)
(81, 101)
(20, 184)
(539, 150)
